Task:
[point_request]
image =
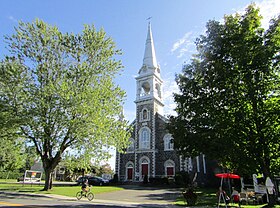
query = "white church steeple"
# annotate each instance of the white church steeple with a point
(150, 54)
(149, 82)
(150, 64)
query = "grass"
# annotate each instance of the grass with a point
(208, 198)
(205, 198)
(12, 186)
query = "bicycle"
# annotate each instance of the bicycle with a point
(89, 195)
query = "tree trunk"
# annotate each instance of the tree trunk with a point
(48, 179)
(49, 164)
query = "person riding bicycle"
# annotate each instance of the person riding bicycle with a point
(85, 192)
(85, 185)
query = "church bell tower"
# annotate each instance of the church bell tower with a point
(149, 82)
(149, 103)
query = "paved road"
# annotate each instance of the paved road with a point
(142, 195)
(131, 196)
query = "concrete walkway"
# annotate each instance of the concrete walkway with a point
(150, 196)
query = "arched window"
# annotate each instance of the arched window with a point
(169, 168)
(131, 146)
(168, 142)
(158, 90)
(144, 138)
(145, 89)
(144, 115)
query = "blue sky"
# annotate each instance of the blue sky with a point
(175, 25)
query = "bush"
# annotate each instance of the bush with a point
(158, 180)
(10, 175)
(145, 180)
(182, 178)
(115, 179)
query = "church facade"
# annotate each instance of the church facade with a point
(151, 150)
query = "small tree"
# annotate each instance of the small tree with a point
(61, 89)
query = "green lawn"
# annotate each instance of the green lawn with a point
(11, 185)
(206, 198)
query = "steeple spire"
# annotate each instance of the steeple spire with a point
(150, 55)
(149, 82)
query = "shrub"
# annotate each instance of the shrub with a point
(115, 179)
(10, 175)
(145, 180)
(158, 180)
(182, 178)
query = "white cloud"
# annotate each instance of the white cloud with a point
(12, 19)
(268, 9)
(184, 45)
(169, 87)
(181, 41)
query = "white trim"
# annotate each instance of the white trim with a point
(204, 163)
(190, 164)
(153, 143)
(181, 161)
(197, 164)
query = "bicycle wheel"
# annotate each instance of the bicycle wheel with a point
(90, 196)
(79, 195)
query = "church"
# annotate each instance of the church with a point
(150, 151)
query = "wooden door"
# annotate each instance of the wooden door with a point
(129, 173)
(170, 171)
(144, 170)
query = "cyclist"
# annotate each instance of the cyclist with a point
(85, 185)
(86, 191)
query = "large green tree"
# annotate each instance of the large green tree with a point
(11, 155)
(229, 101)
(61, 89)
(11, 145)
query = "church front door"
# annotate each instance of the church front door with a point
(170, 171)
(144, 170)
(129, 173)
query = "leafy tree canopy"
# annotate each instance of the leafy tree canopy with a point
(11, 154)
(229, 100)
(60, 88)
